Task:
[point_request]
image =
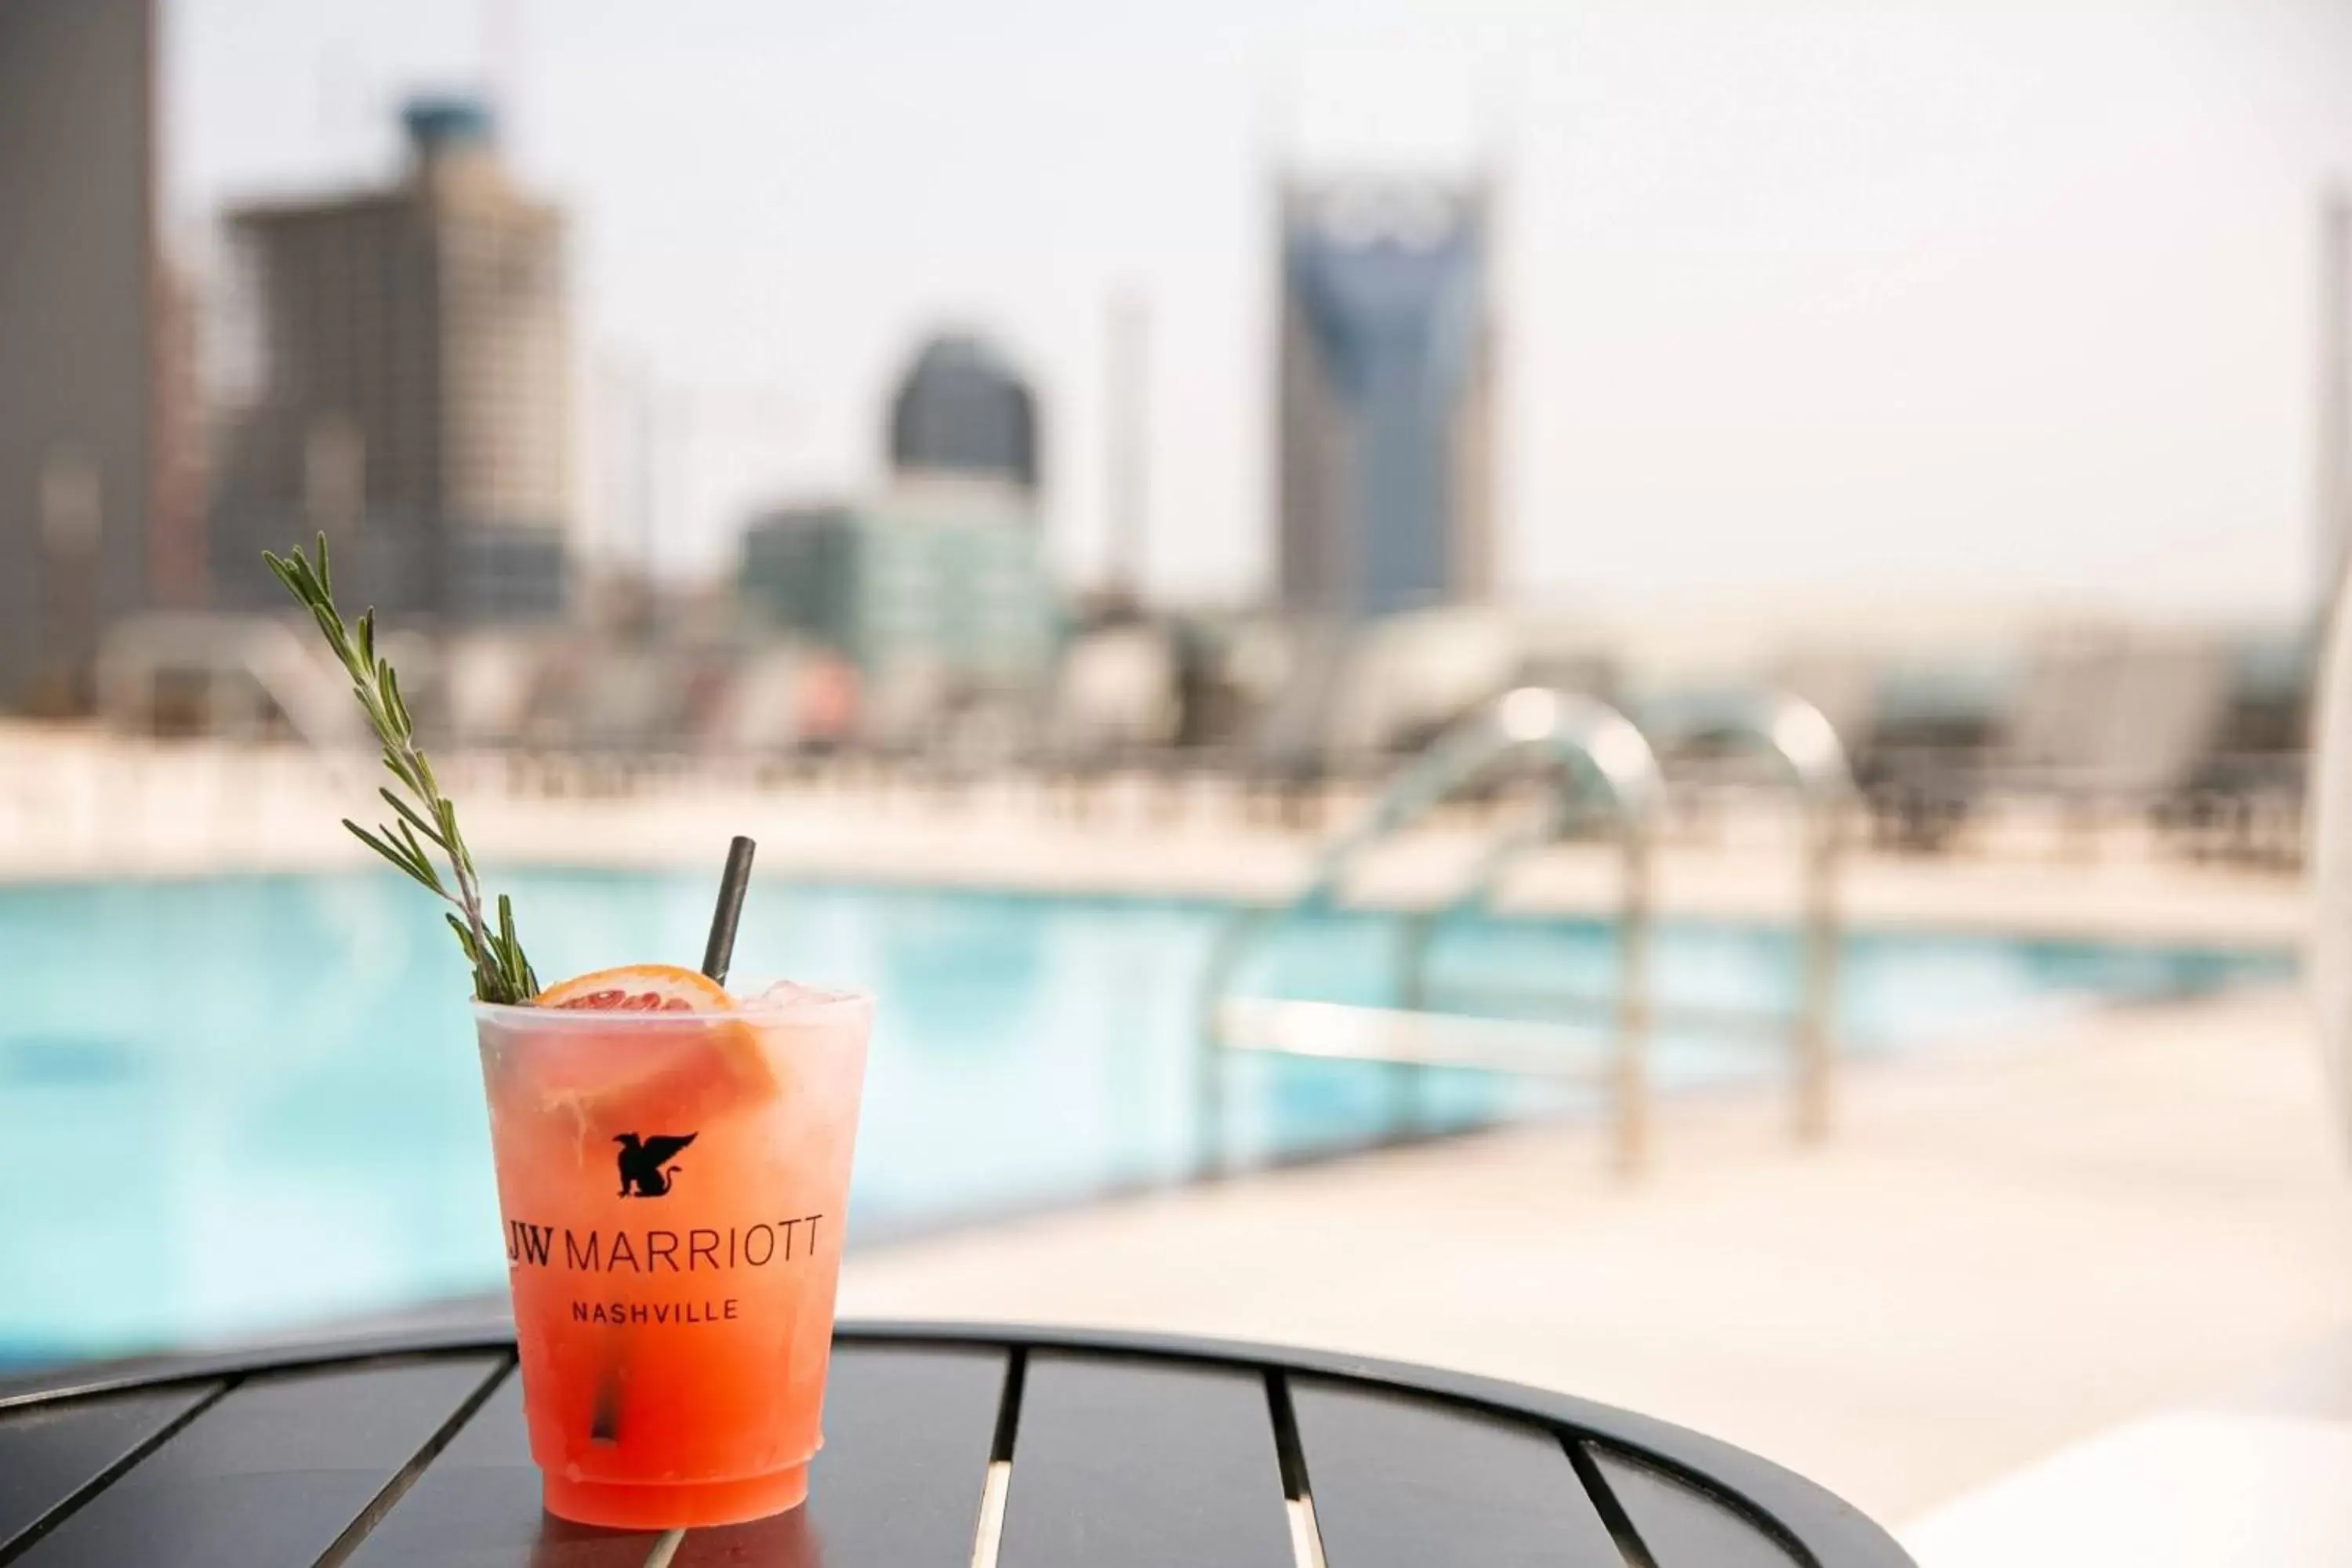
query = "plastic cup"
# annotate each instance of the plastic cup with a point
(673, 1187)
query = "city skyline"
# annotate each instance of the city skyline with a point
(1831, 301)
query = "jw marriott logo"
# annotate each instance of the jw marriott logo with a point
(645, 1170)
(656, 1251)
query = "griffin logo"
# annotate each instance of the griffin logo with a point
(646, 1171)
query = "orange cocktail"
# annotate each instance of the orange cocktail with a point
(673, 1186)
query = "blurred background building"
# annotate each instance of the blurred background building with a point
(1385, 482)
(2332, 497)
(942, 577)
(416, 394)
(946, 575)
(101, 445)
(963, 411)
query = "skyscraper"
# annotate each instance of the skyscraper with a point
(1384, 456)
(2333, 497)
(937, 577)
(95, 509)
(944, 572)
(963, 410)
(415, 401)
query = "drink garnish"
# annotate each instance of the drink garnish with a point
(501, 972)
(637, 988)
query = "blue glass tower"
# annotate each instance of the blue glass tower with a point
(1386, 389)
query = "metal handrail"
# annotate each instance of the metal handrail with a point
(1786, 726)
(1801, 738)
(1597, 744)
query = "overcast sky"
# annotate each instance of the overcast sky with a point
(1951, 297)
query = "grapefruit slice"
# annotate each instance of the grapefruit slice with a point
(678, 1079)
(638, 988)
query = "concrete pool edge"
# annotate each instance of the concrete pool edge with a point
(2176, 906)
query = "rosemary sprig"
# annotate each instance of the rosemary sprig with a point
(501, 972)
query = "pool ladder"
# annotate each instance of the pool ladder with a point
(1597, 751)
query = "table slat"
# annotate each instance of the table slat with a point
(1681, 1526)
(476, 1506)
(783, 1540)
(1143, 1464)
(50, 1452)
(1401, 1482)
(907, 1437)
(272, 1474)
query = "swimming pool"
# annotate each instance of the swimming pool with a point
(233, 1104)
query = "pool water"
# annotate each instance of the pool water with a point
(234, 1104)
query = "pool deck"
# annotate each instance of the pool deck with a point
(79, 805)
(2006, 1246)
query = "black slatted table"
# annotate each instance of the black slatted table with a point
(945, 1446)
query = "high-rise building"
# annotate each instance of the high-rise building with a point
(97, 513)
(1384, 456)
(944, 575)
(415, 399)
(2333, 496)
(941, 573)
(962, 409)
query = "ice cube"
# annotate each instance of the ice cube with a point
(792, 994)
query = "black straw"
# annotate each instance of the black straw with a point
(604, 1421)
(720, 951)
